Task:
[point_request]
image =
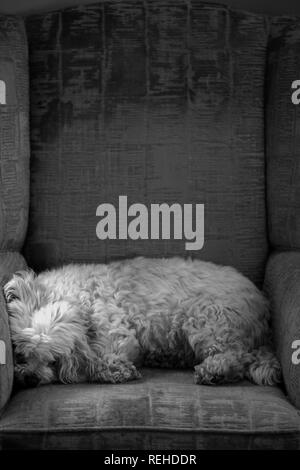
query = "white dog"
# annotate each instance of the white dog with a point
(98, 322)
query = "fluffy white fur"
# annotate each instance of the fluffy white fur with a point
(99, 322)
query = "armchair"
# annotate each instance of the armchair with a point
(162, 101)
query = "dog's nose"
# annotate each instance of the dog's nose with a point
(31, 381)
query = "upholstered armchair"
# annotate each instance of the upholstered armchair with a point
(164, 102)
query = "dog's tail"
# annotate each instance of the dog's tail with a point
(263, 367)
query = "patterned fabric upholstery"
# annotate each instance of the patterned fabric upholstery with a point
(14, 133)
(164, 410)
(161, 101)
(283, 135)
(9, 263)
(282, 284)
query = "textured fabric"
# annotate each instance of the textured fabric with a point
(282, 284)
(164, 410)
(161, 101)
(14, 134)
(9, 263)
(283, 135)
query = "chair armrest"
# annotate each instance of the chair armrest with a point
(9, 263)
(282, 285)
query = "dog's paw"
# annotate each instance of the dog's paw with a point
(219, 369)
(125, 373)
(265, 373)
(203, 376)
(115, 371)
(213, 350)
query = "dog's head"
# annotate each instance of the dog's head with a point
(45, 332)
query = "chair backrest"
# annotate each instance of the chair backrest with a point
(283, 134)
(159, 101)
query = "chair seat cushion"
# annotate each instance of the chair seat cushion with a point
(163, 410)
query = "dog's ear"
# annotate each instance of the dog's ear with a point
(20, 286)
(69, 365)
(67, 338)
(68, 368)
(23, 296)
